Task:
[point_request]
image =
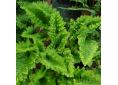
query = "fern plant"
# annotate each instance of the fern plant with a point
(47, 51)
(85, 32)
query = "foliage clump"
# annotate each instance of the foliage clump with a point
(49, 53)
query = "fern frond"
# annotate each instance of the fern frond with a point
(57, 62)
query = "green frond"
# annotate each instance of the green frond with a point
(57, 63)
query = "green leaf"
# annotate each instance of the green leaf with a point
(87, 51)
(52, 60)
